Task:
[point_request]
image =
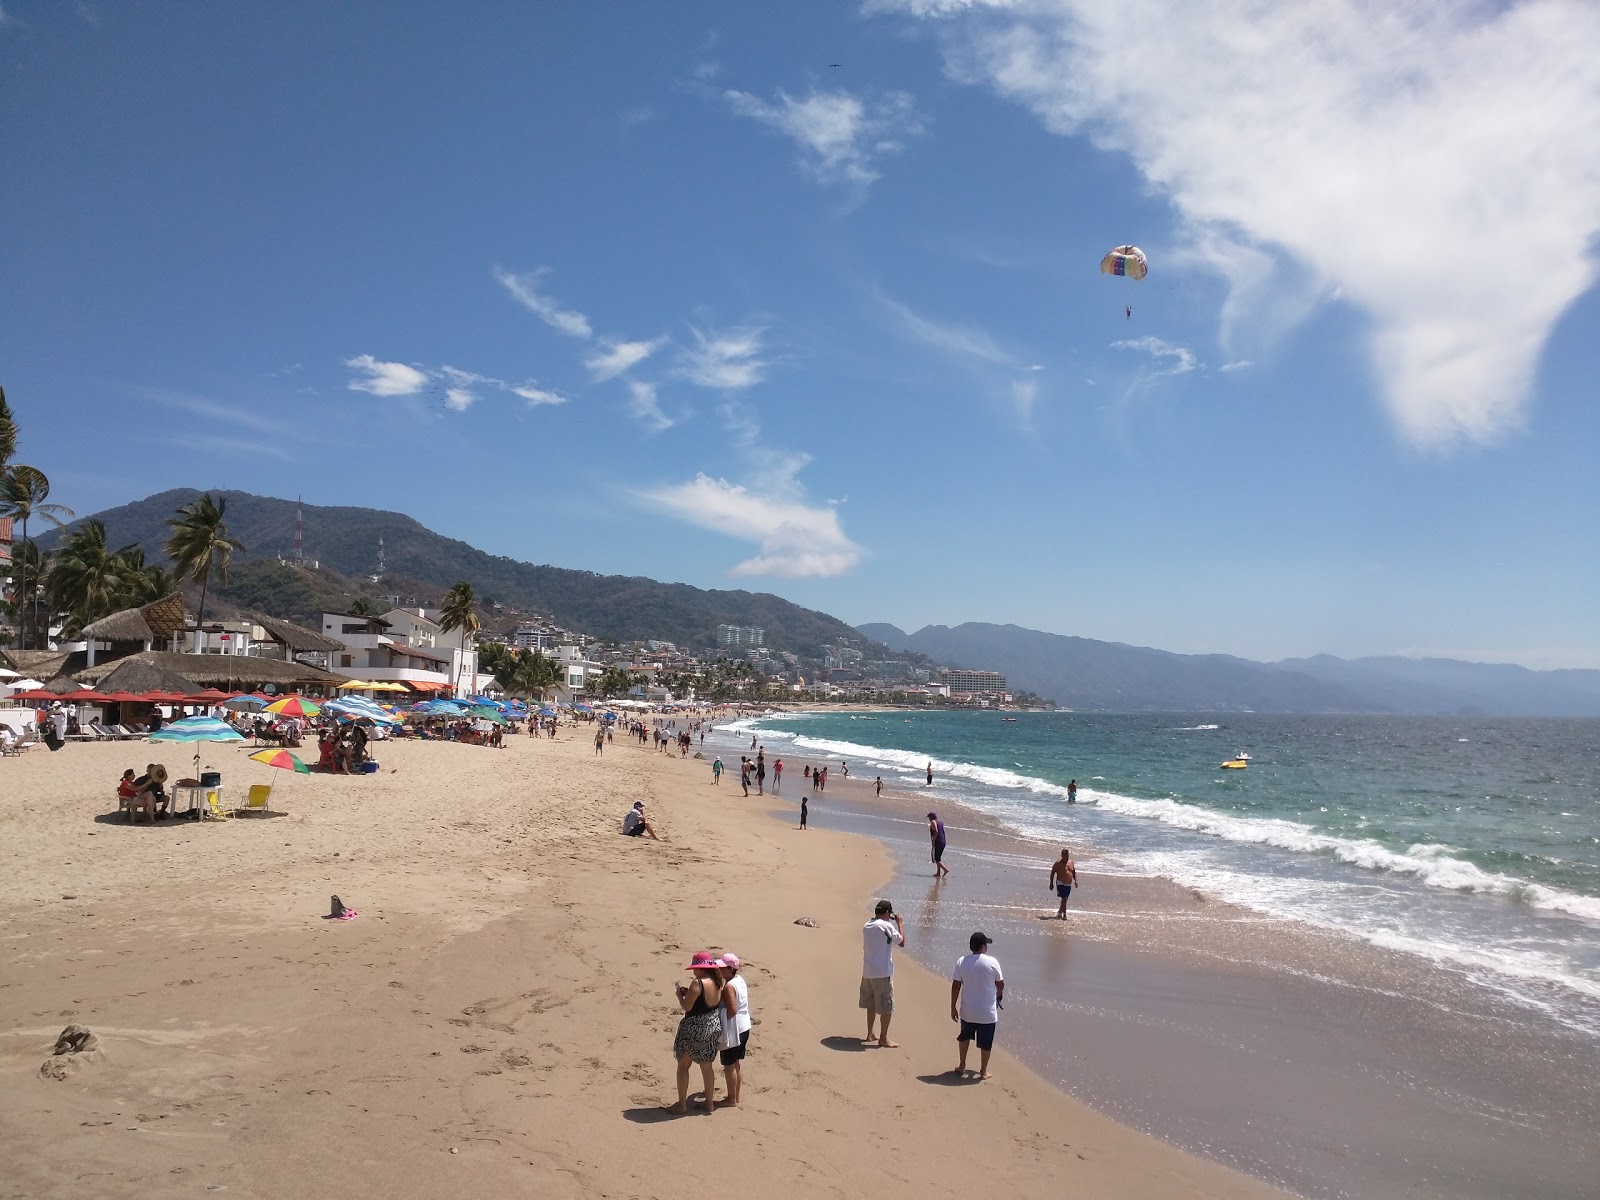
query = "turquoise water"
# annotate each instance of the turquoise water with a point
(1471, 842)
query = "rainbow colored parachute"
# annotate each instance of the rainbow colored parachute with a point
(1125, 260)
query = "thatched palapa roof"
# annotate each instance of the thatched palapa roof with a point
(38, 664)
(237, 672)
(296, 638)
(154, 622)
(138, 677)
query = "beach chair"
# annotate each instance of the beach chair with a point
(256, 801)
(103, 732)
(214, 809)
(84, 734)
(127, 732)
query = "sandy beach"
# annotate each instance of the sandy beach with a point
(501, 1012)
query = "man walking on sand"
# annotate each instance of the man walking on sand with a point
(1063, 875)
(878, 939)
(977, 993)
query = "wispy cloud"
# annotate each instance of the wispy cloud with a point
(1169, 359)
(961, 340)
(1414, 173)
(613, 358)
(459, 395)
(385, 378)
(525, 290)
(644, 405)
(841, 137)
(214, 411)
(795, 539)
(537, 396)
(727, 359)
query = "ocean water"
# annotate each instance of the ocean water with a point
(1472, 843)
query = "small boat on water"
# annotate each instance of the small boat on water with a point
(1237, 764)
(1008, 718)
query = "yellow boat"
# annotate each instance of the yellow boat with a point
(1236, 764)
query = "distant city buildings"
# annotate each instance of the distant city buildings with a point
(741, 635)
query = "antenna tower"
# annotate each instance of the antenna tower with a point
(379, 575)
(299, 535)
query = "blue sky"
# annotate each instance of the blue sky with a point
(657, 289)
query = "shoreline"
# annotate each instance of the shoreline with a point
(501, 1012)
(1311, 1060)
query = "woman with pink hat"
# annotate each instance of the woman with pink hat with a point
(735, 1026)
(700, 1031)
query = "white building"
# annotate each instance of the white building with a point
(400, 647)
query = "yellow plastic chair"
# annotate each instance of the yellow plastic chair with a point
(256, 800)
(213, 810)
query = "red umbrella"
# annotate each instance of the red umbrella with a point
(120, 698)
(35, 694)
(209, 696)
(83, 696)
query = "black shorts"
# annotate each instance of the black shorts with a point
(735, 1054)
(984, 1033)
(938, 852)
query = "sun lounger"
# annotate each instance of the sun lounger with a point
(127, 732)
(105, 733)
(84, 735)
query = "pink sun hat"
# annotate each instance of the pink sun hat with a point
(731, 961)
(703, 960)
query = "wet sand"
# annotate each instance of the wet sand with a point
(1323, 1065)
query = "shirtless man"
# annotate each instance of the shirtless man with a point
(1063, 875)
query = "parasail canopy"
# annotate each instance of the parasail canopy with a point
(1125, 260)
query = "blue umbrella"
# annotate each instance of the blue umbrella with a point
(547, 712)
(358, 708)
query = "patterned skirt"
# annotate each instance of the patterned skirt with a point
(699, 1036)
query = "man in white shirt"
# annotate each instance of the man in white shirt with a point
(878, 939)
(977, 990)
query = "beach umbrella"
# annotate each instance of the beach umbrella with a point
(383, 685)
(354, 685)
(484, 713)
(35, 693)
(209, 696)
(294, 706)
(197, 729)
(281, 759)
(547, 712)
(245, 703)
(358, 708)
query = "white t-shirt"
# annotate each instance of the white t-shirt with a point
(980, 999)
(878, 937)
(741, 1016)
(632, 820)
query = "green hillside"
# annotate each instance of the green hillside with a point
(345, 541)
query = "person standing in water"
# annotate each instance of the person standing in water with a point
(804, 811)
(1072, 791)
(878, 785)
(937, 838)
(1063, 875)
(930, 774)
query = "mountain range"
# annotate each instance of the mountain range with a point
(1081, 673)
(420, 562)
(1071, 671)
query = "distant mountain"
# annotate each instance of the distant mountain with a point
(345, 540)
(891, 636)
(1082, 673)
(1446, 685)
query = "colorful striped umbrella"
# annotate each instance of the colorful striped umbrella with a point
(358, 708)
(197, 729)
(294, 706)
(281, 759)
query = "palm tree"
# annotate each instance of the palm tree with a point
(144, 582)
(360, 607)
(86, 581)
(28, 563)
(458, 610)
(8, 431)
(24, 494)
(199, 544)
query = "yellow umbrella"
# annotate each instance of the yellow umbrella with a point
(355, 685)
(384, 686)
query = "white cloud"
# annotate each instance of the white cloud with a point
(1243, 364)
(524, 289)
(727, 359)
(795, 539)
(617, 357)
(643, 404)
(537, 396)
(385, 378)
(840, 136)
(1172, 360)
(1024, 394)
(1437, 166)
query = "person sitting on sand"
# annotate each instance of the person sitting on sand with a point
(150, 790)
(699, 1035)
(635, 824)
